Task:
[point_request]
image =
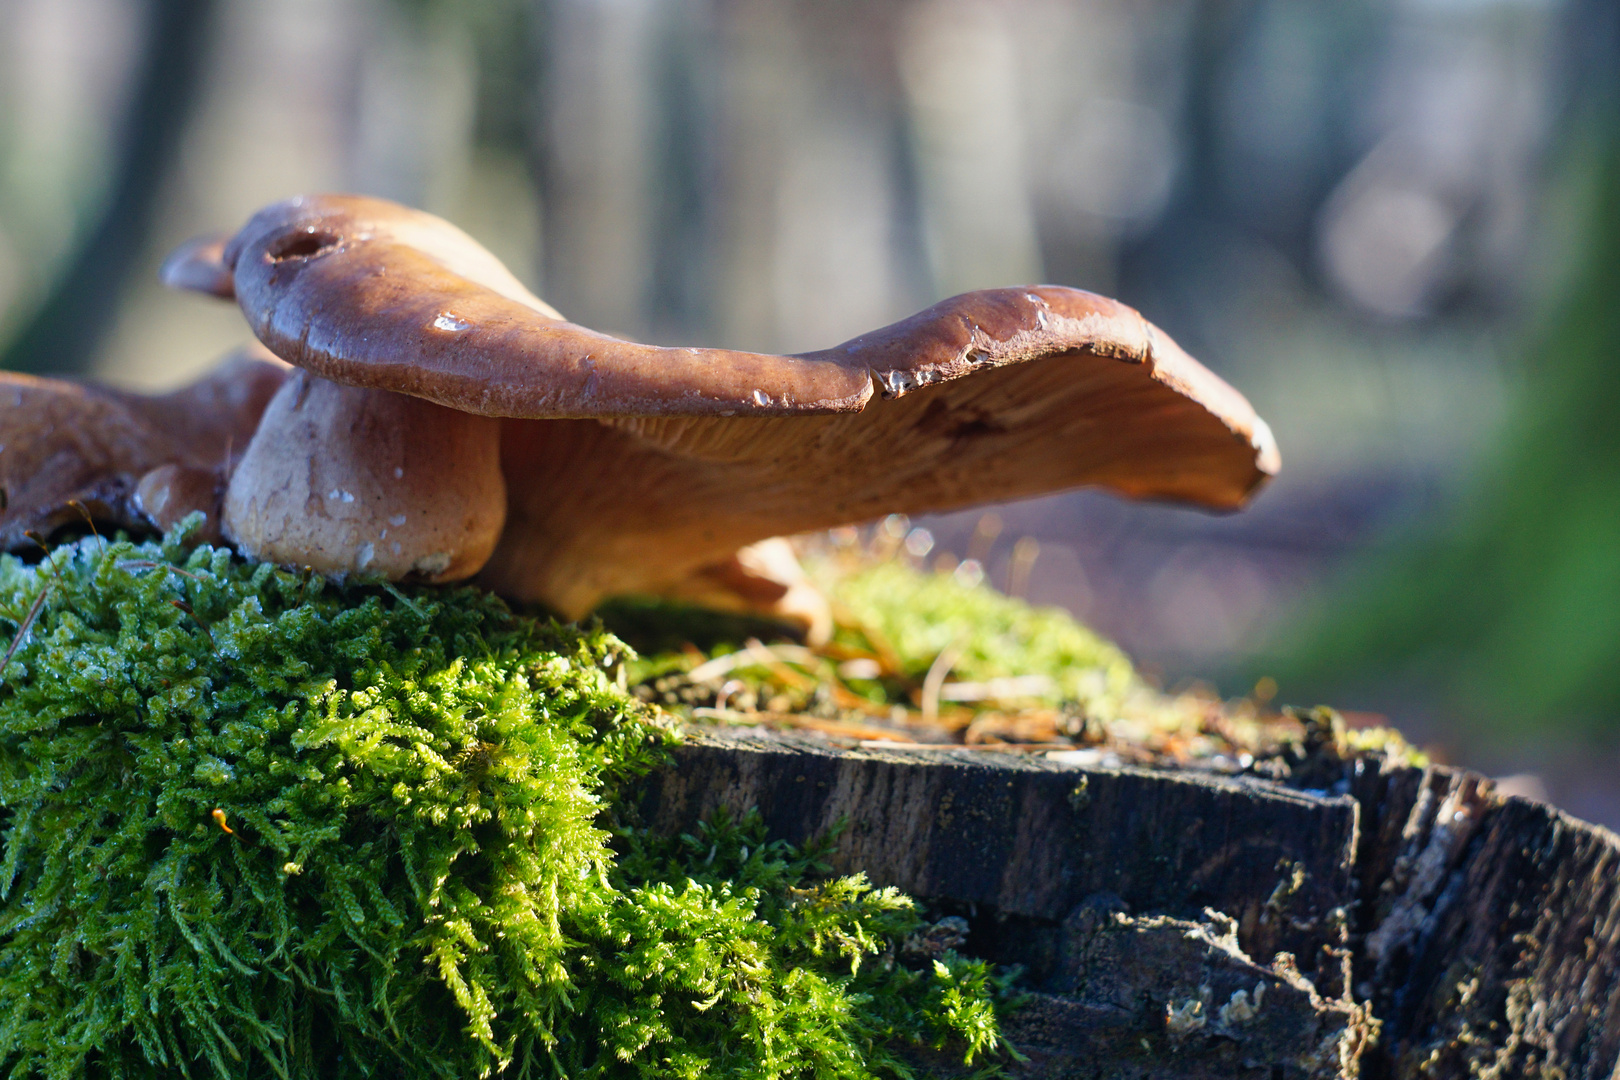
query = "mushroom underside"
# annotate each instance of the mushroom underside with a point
(591, 508)
(601, 508)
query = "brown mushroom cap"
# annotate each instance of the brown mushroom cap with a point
(631, 467)
(369, 293)
(65, 442)
(596, 509)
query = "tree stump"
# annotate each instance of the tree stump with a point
(1393, 923)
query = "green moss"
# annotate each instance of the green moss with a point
(892, 608)
(256, 825)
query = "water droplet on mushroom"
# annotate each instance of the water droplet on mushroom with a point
(399, 473)
(363, 559)
(761, 398)
(340, 495)
(447, 321)
(397, 520)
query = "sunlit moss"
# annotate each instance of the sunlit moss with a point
(257, 825)
(915, 616)
(924, 655)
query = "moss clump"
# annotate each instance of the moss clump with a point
(255, 825)
(892, 608)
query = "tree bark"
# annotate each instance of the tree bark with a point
(1175, 924)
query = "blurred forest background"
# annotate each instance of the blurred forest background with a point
(1394, 224)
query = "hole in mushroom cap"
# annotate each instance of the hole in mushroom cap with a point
(303, 245)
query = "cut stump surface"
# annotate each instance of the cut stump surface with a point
(1400, 923)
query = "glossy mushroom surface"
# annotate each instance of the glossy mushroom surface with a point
(344, 479)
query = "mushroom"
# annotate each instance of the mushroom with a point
(341, 478)
(447, 423)
(131, 460)
(636, 468)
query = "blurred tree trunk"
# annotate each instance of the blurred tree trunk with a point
(1514, 616)
(65, 331)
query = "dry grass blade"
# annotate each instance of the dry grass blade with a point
(1006, 688)
(773, 658)
(185, 607)
(23, 627)
(934, 682)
